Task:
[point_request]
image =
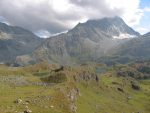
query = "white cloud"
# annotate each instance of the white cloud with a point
(60, 15)
(142, 30)
(131, 12)
(146, 9)
(60, 6)
(43, 33)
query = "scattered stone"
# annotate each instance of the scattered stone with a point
(27, 101)
(19, 101)
(73, 108)
(27, 110)
(129, 97)
(52, 106)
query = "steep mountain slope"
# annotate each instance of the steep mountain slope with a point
(16, 41)
(105, 28)
(132, 50)
(87, 41)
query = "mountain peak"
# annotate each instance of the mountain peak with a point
(113, 26)
(13, 29)
(108, 20)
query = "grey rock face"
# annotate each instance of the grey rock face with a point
(86, 42)
(135, 49)
(15, 41)
(110, 26)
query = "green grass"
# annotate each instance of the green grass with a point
(95, 97)
(106, 98)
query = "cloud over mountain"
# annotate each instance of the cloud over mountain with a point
(59, 15)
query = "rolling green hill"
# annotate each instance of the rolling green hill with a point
(92, 88)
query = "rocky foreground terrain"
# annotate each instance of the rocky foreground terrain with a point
(88, 88)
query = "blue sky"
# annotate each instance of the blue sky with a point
(144, 25)
(144, 3)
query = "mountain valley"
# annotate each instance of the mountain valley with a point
(100, 66)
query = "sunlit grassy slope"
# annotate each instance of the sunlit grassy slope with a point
(78, 91)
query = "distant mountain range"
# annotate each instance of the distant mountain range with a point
(133, 50)
(86, 42)
(100, 40)
(16, 41)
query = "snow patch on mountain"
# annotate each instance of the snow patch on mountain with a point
(5, 36)
(124, 36)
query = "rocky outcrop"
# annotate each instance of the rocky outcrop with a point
(86, 76)
(61, 68)
(72, 96)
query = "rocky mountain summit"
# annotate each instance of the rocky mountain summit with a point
(85, 42)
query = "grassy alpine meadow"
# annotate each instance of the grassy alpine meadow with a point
(90, 88)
